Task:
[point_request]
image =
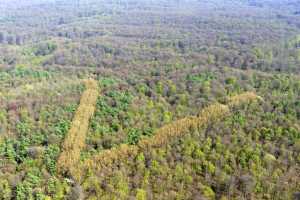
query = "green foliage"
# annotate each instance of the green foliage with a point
(258, 53)
(230, 81)
(201, 77)
(207, 192)
(24, 191)
(57, 188)
(133, 136)
(150, 77)
(26, 73)
(141, 194)
(7, 150)
(61, 127)
(107, 82)
(15, 150)
(50, 157)
(44, 49)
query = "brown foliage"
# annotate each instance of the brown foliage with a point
(243, 98)
(75, 139)
(212, 113)
(176, 129)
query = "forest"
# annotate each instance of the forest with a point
(149, 99)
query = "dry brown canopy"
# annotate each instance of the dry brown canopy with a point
(75, 139)
(163, 135)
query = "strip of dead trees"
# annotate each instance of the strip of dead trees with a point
(75, 139)
(165, 134)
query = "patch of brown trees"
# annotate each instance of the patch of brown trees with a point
(75, 139)
(163, 135)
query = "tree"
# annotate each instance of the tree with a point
(141, 194)
(5, 191)
(1, 37)
(76, 193)
(10, 39)
(18, 40)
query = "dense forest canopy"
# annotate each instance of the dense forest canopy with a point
(149, 99)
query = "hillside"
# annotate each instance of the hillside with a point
(150, 99)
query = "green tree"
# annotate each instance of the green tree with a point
(141, 194)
